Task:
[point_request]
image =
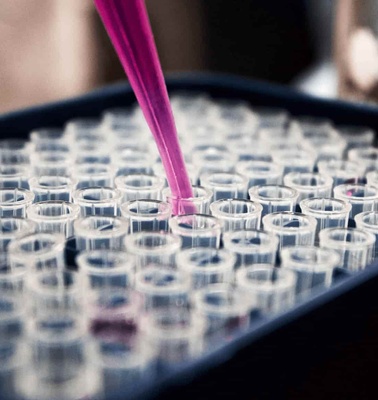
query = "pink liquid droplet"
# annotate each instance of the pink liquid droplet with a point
(122, 330)
(128, 26)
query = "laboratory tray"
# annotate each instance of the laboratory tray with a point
(324, 348)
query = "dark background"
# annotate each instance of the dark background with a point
(269, 40)
(265, 39)
(54, 49)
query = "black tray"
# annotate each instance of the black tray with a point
(326, 347)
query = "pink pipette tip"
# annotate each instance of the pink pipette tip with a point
(129, 29)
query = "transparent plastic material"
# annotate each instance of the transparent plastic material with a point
(11, 361)
(199, 203)
(274, 198)
(251, 247)
(54, 216)
(37, 251)
(367, 156)
(372, 178)
(225, 185)
(106, 269)
(272, 138)
(259, 153)
(55, 291)
(123, 123)
(268, 289)
(341, 171)
(14, 176)
(175, 335)
(368, 221)
(313, 266)
(47, 134)
(58, 361)
(147, 215)
(133, 279)
(12, 318)
(133, 161)
(51, 163)
(91, 153)
(115, 117)
(14, 152)
(329, 213)
(237, 214)
(12, 329)
(314, 126)
(82, 129)
(309, 184)
(12, 228)
(114, 315)
(236, 114)
(94, 175)
(50, 145)
(212, 160)
(361, 197)
(123, 365)
(260, 172)
(100, 232)
(331, 148)
(276, 139)
(226, 310)
(102, 201)
(135, 187)
(11, 279)
(162, 287)
(197, 230)
(294, 160)
(356, 136)
(326, 142)
(272, 117)
(293, 229)
(52, 187)
(354, 246)
(153, 248)
(14, 202)
(206, 266)
(281, 145)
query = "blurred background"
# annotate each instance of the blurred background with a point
(53, 49)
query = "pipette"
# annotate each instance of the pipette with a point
(130, 31)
